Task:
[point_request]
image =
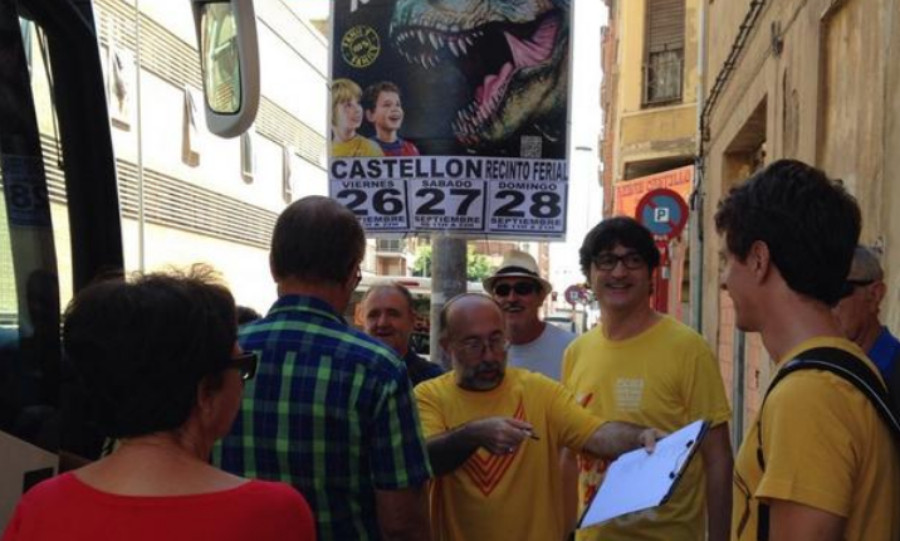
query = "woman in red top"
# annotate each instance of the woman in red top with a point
(160, 356)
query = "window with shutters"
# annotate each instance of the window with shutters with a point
(248, 157)
(664, 52)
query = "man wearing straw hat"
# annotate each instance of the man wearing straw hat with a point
(520, 291)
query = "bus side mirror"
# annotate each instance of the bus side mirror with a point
(229, 61)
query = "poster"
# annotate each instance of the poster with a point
(629, 192)
(447, 116)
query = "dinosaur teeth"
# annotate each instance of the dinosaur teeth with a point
(462, 46)
(421, 36)
(453, 48)
(434, 40)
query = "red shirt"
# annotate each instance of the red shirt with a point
(66, 508)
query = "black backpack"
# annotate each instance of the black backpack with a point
(849, 367)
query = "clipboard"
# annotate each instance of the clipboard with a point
(638, 480)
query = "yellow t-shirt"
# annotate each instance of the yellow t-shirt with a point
(356, 147)
(665, 377)
(824, 446)
(502, 497)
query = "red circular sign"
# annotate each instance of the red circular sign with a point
(575, 294)
(663, 212)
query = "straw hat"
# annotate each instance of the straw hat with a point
(517, 264)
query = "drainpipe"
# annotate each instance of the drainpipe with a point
(696, 202)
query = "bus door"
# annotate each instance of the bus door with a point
(50, 74)
(60, 224)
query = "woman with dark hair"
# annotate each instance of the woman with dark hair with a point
(160, 356)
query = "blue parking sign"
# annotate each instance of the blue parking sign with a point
(663, 212)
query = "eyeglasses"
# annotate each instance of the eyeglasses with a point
(476, 347)
(521, 288)
(246, 363)
(609, 261)
(850, 286)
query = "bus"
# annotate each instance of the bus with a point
(420, 288)
(61, 214)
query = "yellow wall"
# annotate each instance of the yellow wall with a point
(830, 97)
(652, 132)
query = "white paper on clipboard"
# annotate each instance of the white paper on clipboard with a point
(637, 480)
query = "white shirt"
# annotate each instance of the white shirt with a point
(544, 353)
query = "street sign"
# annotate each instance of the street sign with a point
(663, 212)
(576, 294)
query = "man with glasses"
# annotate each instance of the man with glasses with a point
(331, 409)
(857, 312)
(520, 291)
(647, 368)
(494, 434)
(817, 463)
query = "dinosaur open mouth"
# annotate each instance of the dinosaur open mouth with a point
(490, 55)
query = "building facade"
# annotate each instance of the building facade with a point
(649, 94)
(805, 79)
(649, 101)
(188, 196)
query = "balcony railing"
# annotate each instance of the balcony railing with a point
(394, 246)
(663, 77)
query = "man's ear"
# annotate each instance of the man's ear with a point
(370, 116)
(759, 259)
(272, 267)
(876, 293)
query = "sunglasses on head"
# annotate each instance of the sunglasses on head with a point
(521, 288)
(850, 286)
(246, 364)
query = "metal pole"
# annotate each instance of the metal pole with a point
(738, 380)
(448, 279)
(140, 144)
(696, 218)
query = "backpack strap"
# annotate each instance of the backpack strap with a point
(852, 369)
(845, 365)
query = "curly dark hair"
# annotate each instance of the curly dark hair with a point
(809, 222)
(621, 230)
(143, 347)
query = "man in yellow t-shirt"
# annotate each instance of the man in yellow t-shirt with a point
(646, 368)
(493, 435)
(831, 469)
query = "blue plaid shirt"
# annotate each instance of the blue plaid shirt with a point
(331, 412)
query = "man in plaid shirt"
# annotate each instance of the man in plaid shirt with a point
(330, 410)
